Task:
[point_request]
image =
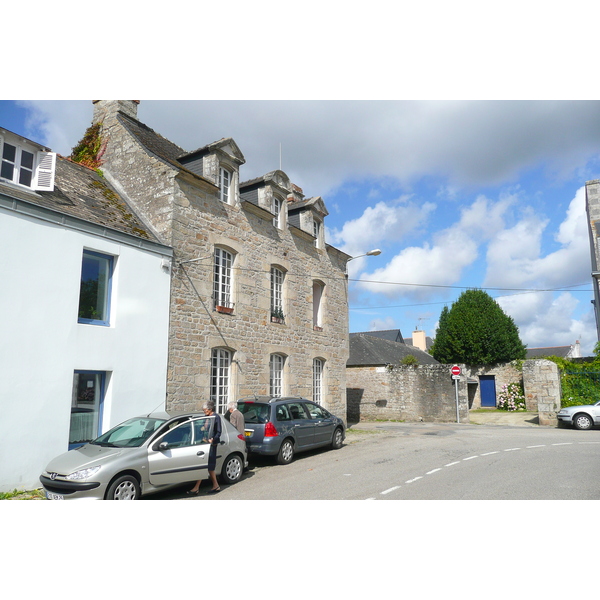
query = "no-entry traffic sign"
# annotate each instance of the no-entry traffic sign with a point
(455, 370)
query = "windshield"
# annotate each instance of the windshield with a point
(254, 412)
(130, 434)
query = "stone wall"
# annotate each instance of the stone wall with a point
(542, 389)
(503, 373)
(426, 392)
(405, 393)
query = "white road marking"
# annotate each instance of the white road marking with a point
(456, 462)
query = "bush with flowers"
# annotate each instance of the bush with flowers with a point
(511, 397)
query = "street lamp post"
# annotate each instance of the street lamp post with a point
(375, 252)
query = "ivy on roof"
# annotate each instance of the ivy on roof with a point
(90, 149)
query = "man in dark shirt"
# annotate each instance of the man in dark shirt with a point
(209, 411)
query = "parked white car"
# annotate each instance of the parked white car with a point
(584, 416)
(145, 455)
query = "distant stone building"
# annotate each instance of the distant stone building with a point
(380, 387)
(572, 351)
(258, 299)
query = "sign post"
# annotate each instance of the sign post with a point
(456, 370)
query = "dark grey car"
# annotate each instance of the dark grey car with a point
(282, 427)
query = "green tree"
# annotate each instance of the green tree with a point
(476, 331)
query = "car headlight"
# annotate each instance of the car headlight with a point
(84, 473)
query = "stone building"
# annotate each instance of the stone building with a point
(258, 299)
(380, 387)
(592, 205)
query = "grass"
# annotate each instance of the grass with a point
(22, 495)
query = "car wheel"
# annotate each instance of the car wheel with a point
(338, 439)
(582, 421)
(286, 452)
(232, 469)
(124, 488)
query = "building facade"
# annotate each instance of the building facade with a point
(592, 205)
(259, 300)
(83, 310)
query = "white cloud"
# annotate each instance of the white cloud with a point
(442, 262)
(325, 143)
(544, 320)
(382, 223)
(514, 257)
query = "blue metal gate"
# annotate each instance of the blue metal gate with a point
(487, 389)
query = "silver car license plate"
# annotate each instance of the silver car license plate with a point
(52, 496)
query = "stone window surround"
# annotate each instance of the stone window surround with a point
(234, 180)
(277, 363)
(318, 382)
(221, 377)
(222, 277)
(318, 296)
(277, 285)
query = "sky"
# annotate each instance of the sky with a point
(456, 194)
(457, 139)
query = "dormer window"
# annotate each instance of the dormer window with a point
(225, 177)
(276, 210)
(23, 164)
(317, 232)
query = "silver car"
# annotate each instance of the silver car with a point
(581, 417)
(145, 455)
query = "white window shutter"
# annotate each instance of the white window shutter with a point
(44, 173)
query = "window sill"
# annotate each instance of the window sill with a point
(317, 328)
(225, 310)
(278, 320)
(93, 322)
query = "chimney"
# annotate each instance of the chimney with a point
(106, 110)
(419, 340)
(296, 194)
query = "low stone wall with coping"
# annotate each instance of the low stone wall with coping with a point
(426, 392)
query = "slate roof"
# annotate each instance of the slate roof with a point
(560, 351)
(393, 335)
(80, 192)
(158, 145)
(151, 140)
(368, 350)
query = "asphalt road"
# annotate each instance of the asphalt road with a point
(425, 461)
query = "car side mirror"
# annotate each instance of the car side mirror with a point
(160, 446)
